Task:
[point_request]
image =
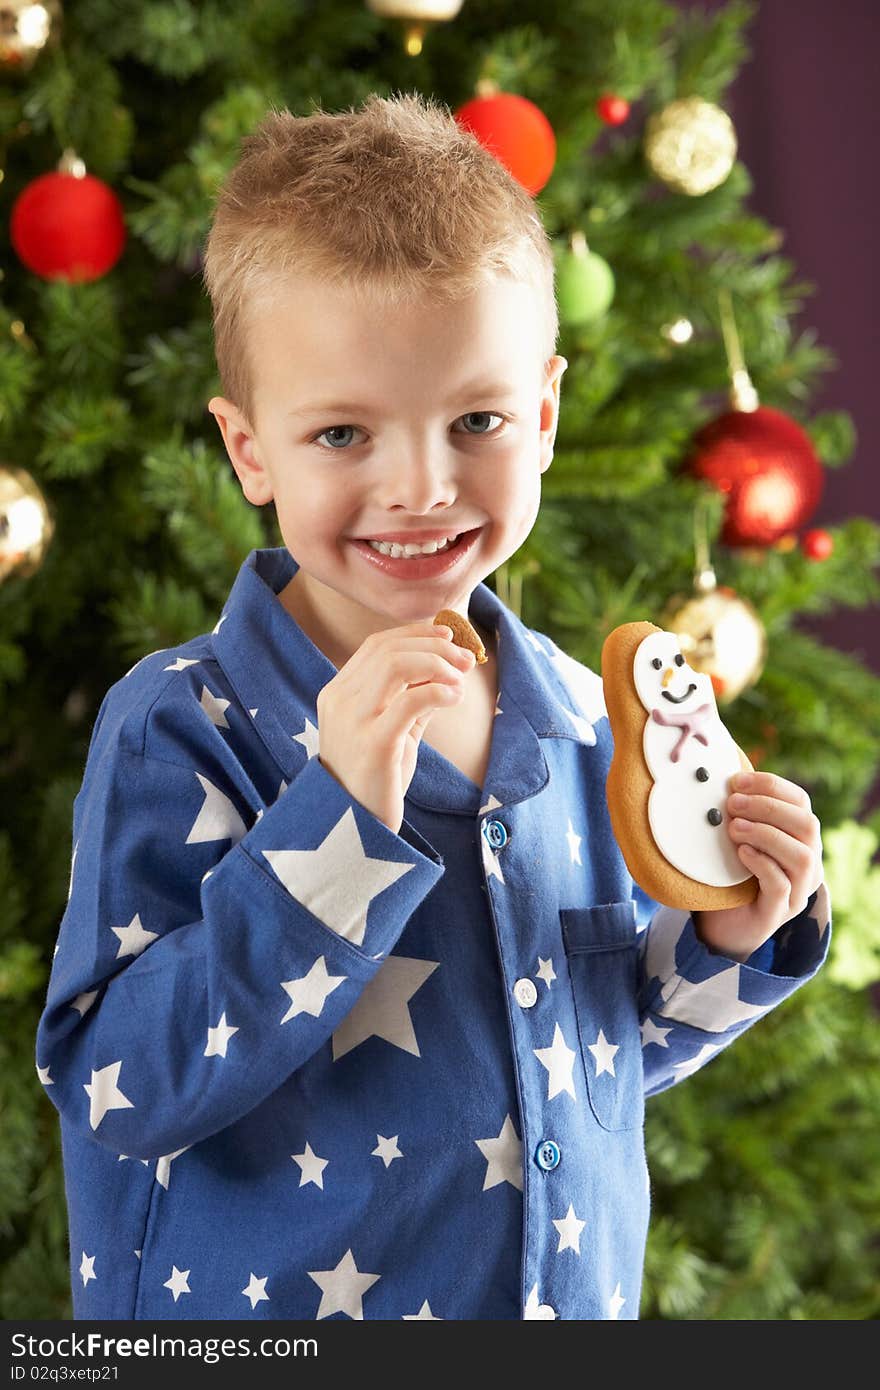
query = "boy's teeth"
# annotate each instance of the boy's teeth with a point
(398, 551)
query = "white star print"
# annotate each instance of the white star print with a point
(545, 971)
(491, 805)
(104, 1094)
(133, 939)
(573, 844)
(83, 1002)
(256, 1290)
(337, 881)
(712, 1004)
(217, 819)
(128, 1158)
(584, 685)
(688, 1068)
(584, 730)
(381, 1010)
(615, 1302)
(309, 739)
(535, 1309)
(387, 1149)
(569, 1228)
(181, 663)
(342, 1288)
(424, 1314)
(218, 1038)
(604, 1051)
(559, 1060)
(178, 1282)
(43, 1074)
(70, 884)
(214, 708)
(163, 1165)
(652, 1034)
(308, 995)
(503, 1156)
(311, 1167)
(219, 623)
(87, 1268)
(142, 660)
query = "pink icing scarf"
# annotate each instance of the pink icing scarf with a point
(691, 723)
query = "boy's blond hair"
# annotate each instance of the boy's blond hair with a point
(394, 198)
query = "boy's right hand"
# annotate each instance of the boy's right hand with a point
(372, 714)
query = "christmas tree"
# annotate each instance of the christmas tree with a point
(124, 526)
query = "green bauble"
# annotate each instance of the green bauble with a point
(584, 287)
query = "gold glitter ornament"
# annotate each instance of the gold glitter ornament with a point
(690, 145)
(721, 635)
(418, 15)
(26, 29)
(26, 526)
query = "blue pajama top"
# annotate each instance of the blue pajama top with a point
(309, 1068)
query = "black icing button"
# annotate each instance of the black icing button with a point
(714, 817)
(702, 774)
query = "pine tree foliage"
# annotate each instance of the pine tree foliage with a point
(766, 1164)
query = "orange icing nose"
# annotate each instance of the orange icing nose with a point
(667, 676)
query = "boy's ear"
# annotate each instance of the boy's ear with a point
(243, 450)
(550, 408)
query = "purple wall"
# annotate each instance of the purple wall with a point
(807, 117)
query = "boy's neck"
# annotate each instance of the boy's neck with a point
(337, 644)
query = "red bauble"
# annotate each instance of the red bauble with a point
(817, 545)
(67, 228)
(613, 110)
(517, 132)
(767, 467)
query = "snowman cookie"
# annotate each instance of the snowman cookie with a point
(670, 773)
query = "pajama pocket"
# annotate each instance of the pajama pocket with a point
(601, 947)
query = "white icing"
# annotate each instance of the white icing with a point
(679, 803)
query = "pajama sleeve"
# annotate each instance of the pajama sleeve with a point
(693, 1002)
(207, 950)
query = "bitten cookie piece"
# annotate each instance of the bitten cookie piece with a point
(464, 634)
(670, 773)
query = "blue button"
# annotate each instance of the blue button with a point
(547, 1154)
(495, 833)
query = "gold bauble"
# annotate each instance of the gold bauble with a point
(421, 12)
(25, 30)
(691, 145)
(26, 526)
(721, 635)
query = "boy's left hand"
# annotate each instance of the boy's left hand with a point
(780, 841)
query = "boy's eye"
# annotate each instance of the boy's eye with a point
(339, 446)
(334, 429)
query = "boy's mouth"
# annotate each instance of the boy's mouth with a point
(419, 566)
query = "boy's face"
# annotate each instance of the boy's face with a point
(372, 422)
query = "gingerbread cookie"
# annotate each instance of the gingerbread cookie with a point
(670, 773)
(464, 634)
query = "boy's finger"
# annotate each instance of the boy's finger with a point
(794, 820)
(770, 784)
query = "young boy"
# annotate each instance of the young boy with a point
(354, 1005)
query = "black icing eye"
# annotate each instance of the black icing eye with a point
(656, 663)
(702, 774)
(679, 660)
